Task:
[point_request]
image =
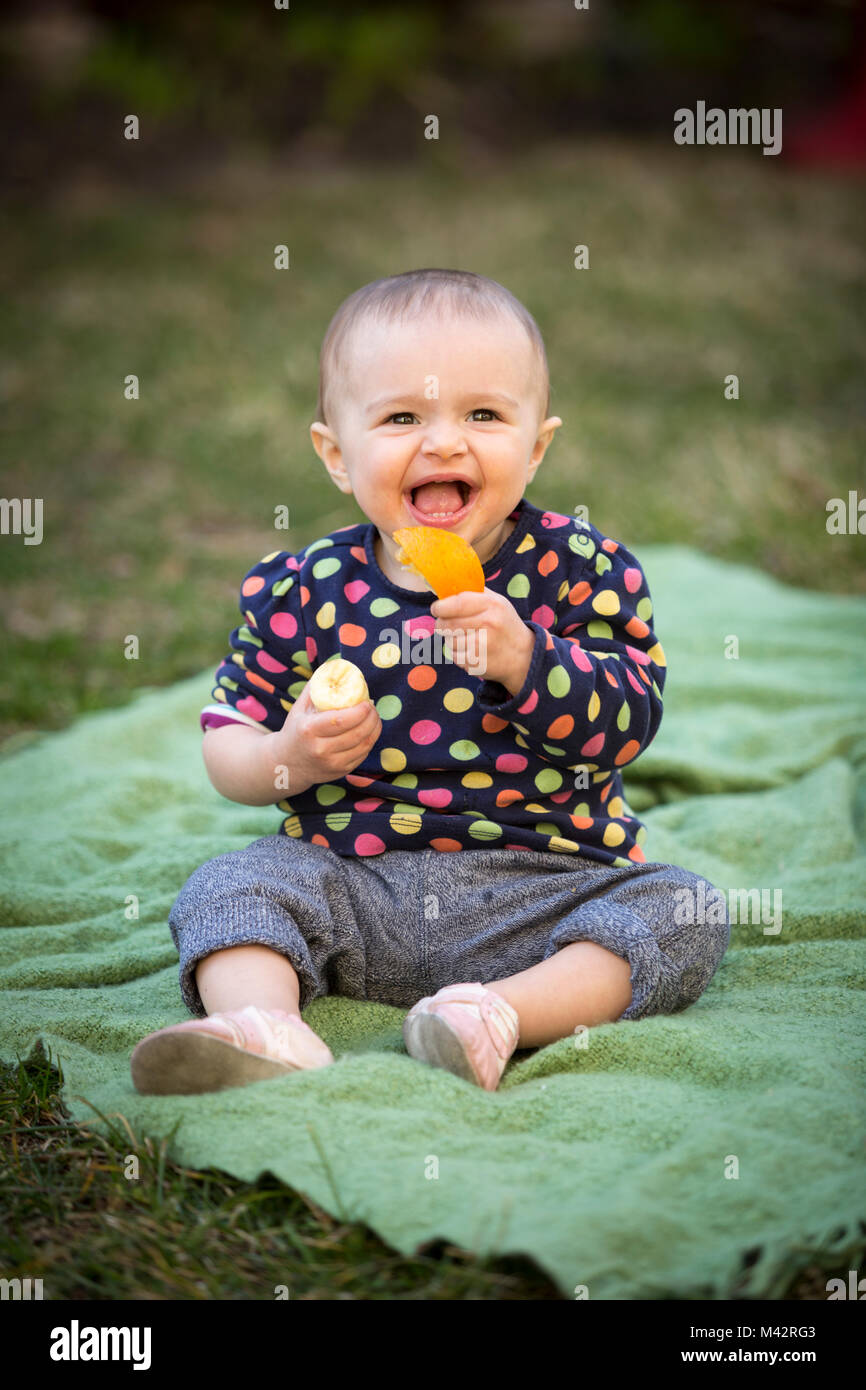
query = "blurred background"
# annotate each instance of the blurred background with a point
(304, 126)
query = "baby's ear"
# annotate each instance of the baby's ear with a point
(545, 435)
(327, 447)
(549, 427)
(323, 438)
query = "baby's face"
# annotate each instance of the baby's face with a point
(456, 398)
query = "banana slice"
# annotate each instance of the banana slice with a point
(337, 684)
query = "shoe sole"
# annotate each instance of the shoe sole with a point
(430, 1039)
(178, 1065)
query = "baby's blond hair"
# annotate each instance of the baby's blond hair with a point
(420, 291)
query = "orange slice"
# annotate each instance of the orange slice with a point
(444, 559)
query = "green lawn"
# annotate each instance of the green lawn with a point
(154, 509)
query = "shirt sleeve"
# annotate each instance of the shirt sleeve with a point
(593, 691)
(267, 667)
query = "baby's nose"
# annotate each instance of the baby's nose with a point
(444, 440)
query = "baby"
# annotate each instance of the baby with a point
(458, 845)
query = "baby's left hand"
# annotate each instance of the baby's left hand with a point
(487, 636)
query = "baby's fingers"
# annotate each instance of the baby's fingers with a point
(333, 723)
(337, 745)
(366, 739)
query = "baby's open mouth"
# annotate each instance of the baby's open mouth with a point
(442, 502)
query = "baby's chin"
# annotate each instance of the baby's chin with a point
(485, 533)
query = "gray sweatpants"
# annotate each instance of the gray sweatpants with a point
(402, 924)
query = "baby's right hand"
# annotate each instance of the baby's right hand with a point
(317, 745)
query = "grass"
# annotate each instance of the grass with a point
(178, 1233)
(154, 509)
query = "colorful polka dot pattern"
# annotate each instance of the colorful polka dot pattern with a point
(459, 762)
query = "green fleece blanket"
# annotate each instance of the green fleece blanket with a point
(716, 1151)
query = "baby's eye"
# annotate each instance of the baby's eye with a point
(405, 417)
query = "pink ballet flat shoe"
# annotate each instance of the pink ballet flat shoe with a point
(467, 1029)
(225, 1049)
